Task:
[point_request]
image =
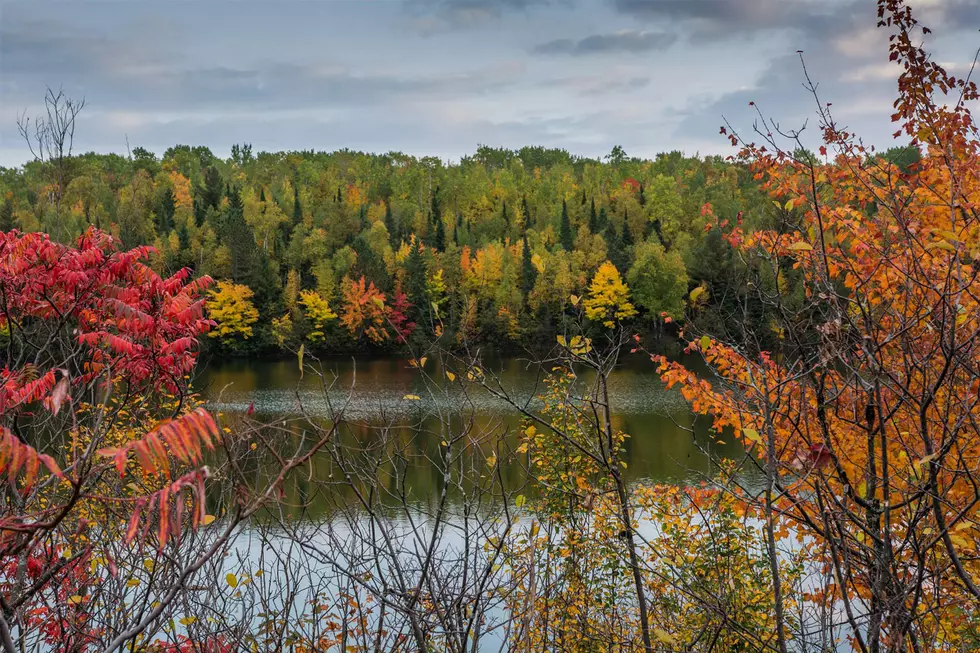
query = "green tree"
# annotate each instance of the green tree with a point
(529, 273)
(658, 280)
(565, 229)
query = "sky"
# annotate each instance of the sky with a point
(439, 77)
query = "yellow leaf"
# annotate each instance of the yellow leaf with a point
(800, 246)
(752, 435)
(561, 341)
(491, 460)
(696, 293)
(187, 621)
(132, 582)
(789, 205)
(663, 636)
(705, 343)
(450, 376)
(412, 397)
(574, 299)
(299, 356)
(74, 600)
(422, 361)
(941, 244)
(207, 519)
(232, 580)
(520, 500)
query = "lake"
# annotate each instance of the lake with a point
(389, 391)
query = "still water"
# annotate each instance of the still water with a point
(666, 444)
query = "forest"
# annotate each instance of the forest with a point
(826, 309)
(351, 252)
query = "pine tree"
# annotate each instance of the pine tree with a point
(603, 219)
(297, 208)
(613, 245)
(529, 273)
(506, 217)
(593, 219)
(565, 232)
(362, 218)
(211, 193)
(416, 279)
(165, 211)
(526, 210)
(262, 193)
(240, 239)
(390, 223)
(440, 235)
(627, 234)
(7, 215)
(642, 198)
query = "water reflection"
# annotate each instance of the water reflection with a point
(372, 393)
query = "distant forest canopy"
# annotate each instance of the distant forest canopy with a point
(348, 251)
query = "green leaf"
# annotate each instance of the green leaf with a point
(520, 500)
(789, 204)
(705, 343)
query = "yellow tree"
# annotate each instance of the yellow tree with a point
(318, 313)
(609, 297)
(231, 307)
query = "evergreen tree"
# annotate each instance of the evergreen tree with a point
(211, 192)
(297, 207)
(627, 234)
(526, 210)
(166, 206)
(262, 193)
(240, 240)
(529, 273)
(416, 278)
(390, 223)
(613, 246)
(583, 196)
(506, 217)
(642, 198)
(7, 215)
(362, 218)
(603, 219)
(565, 232)
(593, 219)
(440, 235)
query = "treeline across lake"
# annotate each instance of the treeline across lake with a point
(347, 251)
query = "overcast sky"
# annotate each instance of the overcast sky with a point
(439, 77)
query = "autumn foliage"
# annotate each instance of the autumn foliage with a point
(93, 338)
(864, 419)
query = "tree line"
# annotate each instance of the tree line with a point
(348, 251)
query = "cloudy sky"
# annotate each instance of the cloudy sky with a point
(441, 76)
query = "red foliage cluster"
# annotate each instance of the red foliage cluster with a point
(139, 326)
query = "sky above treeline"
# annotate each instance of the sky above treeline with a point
(439, 77)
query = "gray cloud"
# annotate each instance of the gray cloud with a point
(627, 41)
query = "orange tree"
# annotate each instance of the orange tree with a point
(863, 419)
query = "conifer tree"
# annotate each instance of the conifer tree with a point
(565, 231)
(297, 208)
(529, 273)
(593, 219)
